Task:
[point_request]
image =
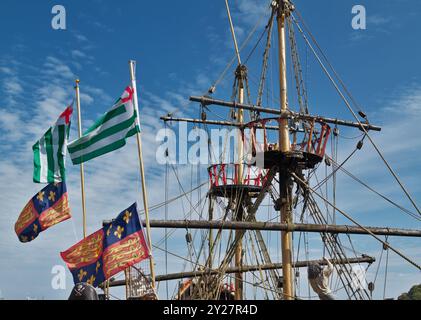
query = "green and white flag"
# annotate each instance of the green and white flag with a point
(50, 151)
(109, 132)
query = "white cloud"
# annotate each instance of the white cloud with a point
(76, 54)
(376, 24)
(81, 37)
(12, 86)
(86, 98)
(378, 20)
(56, 69)
(6, 70)
(251, 11)
(9, 123)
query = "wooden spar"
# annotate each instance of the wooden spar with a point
(272, 266)
(132, 65)
(284, 146)
(211, 122)
(276, 226)
(224, 123)
(286, 114)
(82, 174)
(229, 104)
(237, 52)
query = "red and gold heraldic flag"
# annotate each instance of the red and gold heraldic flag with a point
(47, 208)
(117, 246)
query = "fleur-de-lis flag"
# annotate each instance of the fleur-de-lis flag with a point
(117, 246)
(47, 208)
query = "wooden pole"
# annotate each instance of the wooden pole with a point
(225, 123)
(244, 269)
(132, 65)
(127, 282)
(276, 226)
(237, 52)
(286, 114)
(239, 205)
(284, 144)
(210, 236)
(82, 174)
(238, 260)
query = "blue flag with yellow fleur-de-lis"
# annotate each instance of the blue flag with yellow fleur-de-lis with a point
(47, 208)
(117, 246)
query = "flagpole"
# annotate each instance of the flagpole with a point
(82, 174)
(132, 64)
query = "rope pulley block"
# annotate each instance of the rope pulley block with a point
(280, 282)
(189, 238)
(212, 90)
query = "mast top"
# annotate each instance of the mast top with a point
(285, 6)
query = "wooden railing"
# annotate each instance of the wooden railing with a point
(228, 174)
(314, 140)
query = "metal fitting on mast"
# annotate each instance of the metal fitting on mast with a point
(285, 7)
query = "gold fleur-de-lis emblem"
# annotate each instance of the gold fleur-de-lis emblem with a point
(97, 266)
(52, 196)
(118, 232)
(91, 280)
(127, 216)
(109, 229)
(82, 274)
(35, 228)
(40, 196)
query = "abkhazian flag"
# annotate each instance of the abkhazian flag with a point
(118, 245)
(50, 151)
(108, 133)
(47, 208)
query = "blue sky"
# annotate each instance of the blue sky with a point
(181, 48)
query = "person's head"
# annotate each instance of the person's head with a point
(83, 291)
(314, 269)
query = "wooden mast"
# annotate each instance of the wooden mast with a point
(82, 174)
(210, 235)
(284, 147)
(239, 205)
(238, 259)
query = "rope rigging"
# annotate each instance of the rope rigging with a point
(361, 113)
(305, 185)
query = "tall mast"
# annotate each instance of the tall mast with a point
(240, 76)
(284, 8)
(239, 205)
